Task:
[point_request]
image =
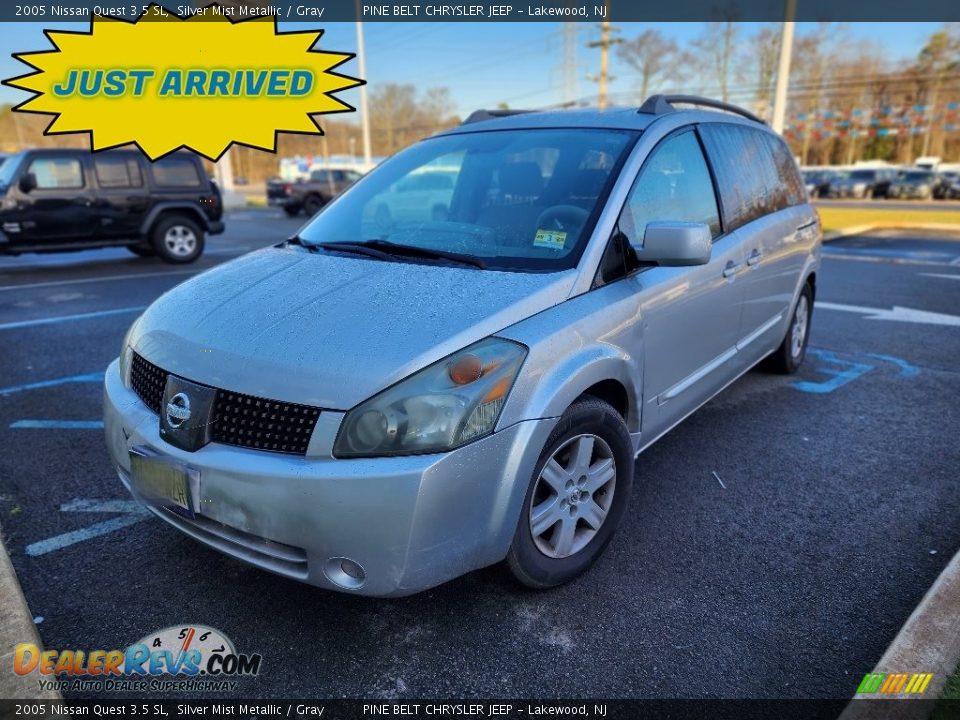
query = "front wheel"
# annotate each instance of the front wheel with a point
(576, 497)
(788, 358)
(178, 239)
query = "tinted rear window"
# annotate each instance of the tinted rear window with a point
(176, 172)
(117, 172)
(755, 172)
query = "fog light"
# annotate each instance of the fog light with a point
(345, 572)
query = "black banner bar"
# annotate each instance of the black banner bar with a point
(492, 11)
(483, 709)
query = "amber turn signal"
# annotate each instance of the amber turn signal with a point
(466, 370)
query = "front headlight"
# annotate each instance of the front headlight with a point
(441, 407)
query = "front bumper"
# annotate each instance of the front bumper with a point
(410, 522)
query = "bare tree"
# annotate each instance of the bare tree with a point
(400, 116)
(940, 56)
(656, 59)
(716, 49)
(764, 48)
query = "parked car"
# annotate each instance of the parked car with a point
(424, 195)
(380, 409)
(946, 185)
(913, 185)
(817, 182)
(312, 194)
(866, 183)
(69, 199)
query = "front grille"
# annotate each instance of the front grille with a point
(242, 420)
(148, 382)
(261, 424)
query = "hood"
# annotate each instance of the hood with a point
(329, 330)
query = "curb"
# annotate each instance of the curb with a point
(927, 642)
(16, 626)
(860, 229)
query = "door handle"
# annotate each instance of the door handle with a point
(731, 269)
(801, 228)
(755, 257)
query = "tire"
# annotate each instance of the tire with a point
(788, 358)
(177, 239)
(292, 210)
(142, 250)
(555, 556)
(313, 204)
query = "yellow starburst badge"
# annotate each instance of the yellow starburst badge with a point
(164, 82)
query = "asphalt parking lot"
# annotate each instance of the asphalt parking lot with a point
(838, 508)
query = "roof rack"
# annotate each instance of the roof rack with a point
(480, 115)
(661, 104)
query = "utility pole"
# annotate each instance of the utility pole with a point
(783, 72)
(364, 109)
(607, 39)
(569, 33)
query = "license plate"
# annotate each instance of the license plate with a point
(164, 482)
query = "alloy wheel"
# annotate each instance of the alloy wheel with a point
(572, 496)
(180, 240)
(799, 332)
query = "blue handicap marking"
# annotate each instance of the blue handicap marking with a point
(906, 369)
(844, 371)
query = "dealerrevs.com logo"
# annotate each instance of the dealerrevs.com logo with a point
(181, 658)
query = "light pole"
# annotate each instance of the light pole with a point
(783, 73)
(364, 109)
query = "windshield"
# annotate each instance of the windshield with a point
(515, 199)
(8, 168)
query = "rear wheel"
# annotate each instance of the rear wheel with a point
(178, 239)
(292, 210)
(789, 356)
(576, 497)
(313, 204)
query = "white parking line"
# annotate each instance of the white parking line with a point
(68, 318)
(55, 283)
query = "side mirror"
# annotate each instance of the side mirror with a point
(28, 182)
(675, 244)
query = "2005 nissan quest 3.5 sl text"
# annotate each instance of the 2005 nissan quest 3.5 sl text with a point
(456, 362)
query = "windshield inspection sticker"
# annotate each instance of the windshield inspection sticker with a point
(553, 239)
(164, 82)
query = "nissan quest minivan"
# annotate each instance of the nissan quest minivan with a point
(380, 404)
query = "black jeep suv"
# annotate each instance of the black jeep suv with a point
(64, 199)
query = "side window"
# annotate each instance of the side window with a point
(57, 173)
(175, 172)
(787, 173)
(117, 172)
(674, 184)
(755, 173)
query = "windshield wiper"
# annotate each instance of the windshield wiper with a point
(429, 253)
(358, 248)
(297, 240)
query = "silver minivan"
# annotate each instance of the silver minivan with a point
(381, 403)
